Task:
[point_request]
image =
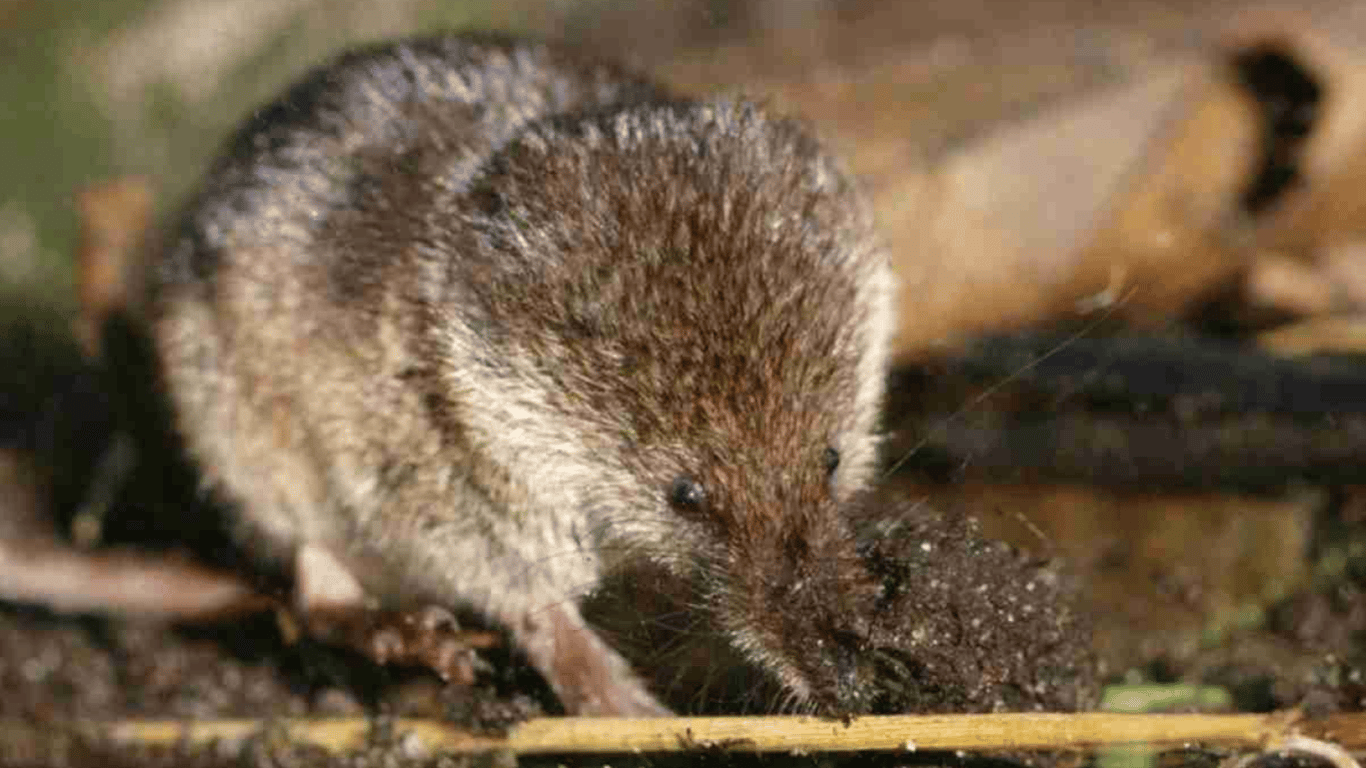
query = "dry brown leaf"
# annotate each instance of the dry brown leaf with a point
(114, 217)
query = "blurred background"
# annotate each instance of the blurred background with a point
(1180, 170)
(112, 88)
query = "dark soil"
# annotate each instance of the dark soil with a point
(969, 625)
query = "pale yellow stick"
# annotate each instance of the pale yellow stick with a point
(767, 734)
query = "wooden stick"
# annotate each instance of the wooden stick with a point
(567, 735)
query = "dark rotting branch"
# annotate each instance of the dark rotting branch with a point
(1290, 98)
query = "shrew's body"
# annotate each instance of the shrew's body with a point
(478, 321)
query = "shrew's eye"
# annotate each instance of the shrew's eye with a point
(831, 457)
(687, 495)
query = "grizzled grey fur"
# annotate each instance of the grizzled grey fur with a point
(483, 321)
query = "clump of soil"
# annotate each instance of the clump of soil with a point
(970, 624)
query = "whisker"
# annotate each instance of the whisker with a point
(992, 390)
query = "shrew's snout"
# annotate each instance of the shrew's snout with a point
(813, 600)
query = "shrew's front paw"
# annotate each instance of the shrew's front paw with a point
(429, 637)
(335, 608)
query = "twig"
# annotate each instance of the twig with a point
(1167, 412)
(68, 580)
(762, 734)
(1330, 753)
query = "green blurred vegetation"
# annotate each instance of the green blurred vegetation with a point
(55, 138)
(100, 89)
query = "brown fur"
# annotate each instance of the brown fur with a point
(460, 311)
